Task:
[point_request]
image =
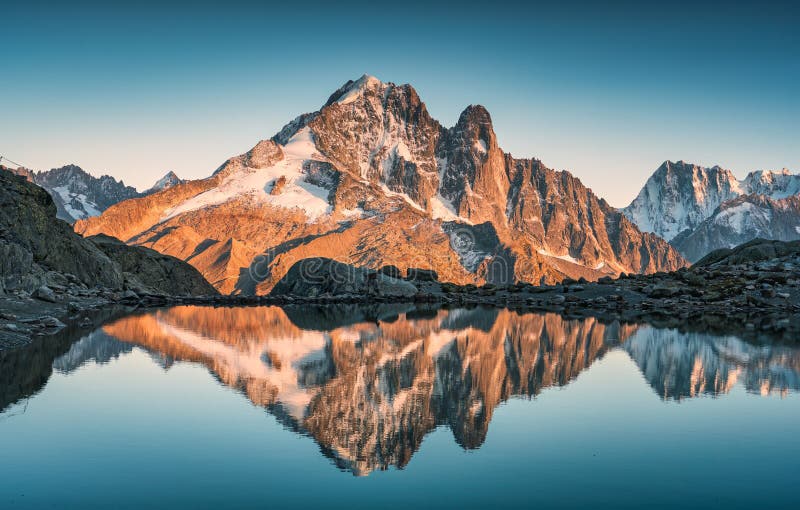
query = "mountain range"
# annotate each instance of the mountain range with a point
(699, 209)
(372, 179)
(79, 195)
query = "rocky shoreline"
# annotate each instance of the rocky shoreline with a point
(752, 291)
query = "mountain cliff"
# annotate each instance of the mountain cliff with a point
(372, 179)
(701, 209)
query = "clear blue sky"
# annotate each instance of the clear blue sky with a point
(606, 92)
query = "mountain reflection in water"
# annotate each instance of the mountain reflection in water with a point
(368, 384)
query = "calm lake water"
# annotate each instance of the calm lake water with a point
(194, 407)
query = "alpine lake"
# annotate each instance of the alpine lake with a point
(396, 406)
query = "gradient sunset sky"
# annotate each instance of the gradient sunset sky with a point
(605, 92)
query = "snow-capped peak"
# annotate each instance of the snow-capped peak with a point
(169, 180)
(679, 196)
(351, 91)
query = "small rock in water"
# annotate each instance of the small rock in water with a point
(129, 295)
(51, 322)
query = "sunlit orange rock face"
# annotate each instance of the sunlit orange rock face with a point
(372, 179)
(369, 385)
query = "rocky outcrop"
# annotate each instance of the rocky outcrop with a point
(371, 179)
(322, 276)
(148, 271)
(33, 243)
(757, 250)
(37, 249)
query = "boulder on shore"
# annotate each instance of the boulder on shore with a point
(421, 275)
(756, 250)
(318, 276)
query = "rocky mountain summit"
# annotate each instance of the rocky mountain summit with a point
(371, 179)
(169, 180)
(701, 209)
(79, 195)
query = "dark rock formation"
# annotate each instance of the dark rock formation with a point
(757, 250)
(319, 276)
(149, 271)
(37, 249)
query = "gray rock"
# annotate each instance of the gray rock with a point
(51, 322)
(144, 268)
(421, 275)
(391, 271)
(317, 276)
(129, 295)
(45, 293)
(664, 291)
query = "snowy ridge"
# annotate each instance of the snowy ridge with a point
(260, 183)
(739, 216)
(679, 196)
(741, 220)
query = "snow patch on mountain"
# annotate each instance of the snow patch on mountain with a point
(258, 183)
(775, 184)
(76, 204)
(566, 257)
(737, 217)
(443, 209)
